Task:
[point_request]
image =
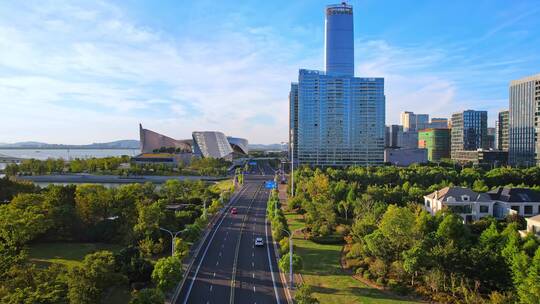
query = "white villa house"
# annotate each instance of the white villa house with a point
(472, 205)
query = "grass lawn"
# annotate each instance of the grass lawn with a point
(69, 254)
(322, 271)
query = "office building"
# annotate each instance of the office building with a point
(523, 149)
(394, 136)
(293, 120)
(502, 130)
(491, 138)
(408, 121)
(438, 123)
(414, 122)
(437, 143)
(340, 118)
(339, 40)
(487, 158)
(422, 121)
(469, 131)
(409, 140)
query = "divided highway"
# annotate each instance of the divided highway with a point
(229, 268)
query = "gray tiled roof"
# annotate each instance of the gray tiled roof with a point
(514, 195)
(457, 193)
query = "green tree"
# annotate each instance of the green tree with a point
(88, 282)
(304, 295)
(167, 273)
(284, 263)
(529, 289)
(397, 226)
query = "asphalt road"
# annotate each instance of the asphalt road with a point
(229, 268)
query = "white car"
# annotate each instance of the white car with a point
(259, 242)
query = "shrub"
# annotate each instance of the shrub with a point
(378, 268)
(367, 275)
(284, 246)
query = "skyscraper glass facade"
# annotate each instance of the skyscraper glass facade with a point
(340, 120)
(523, 132)
(339, 40)
(293, 120)
(469, 131)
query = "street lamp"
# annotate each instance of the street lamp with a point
(291, 143)
(173, 236)
(290, 259)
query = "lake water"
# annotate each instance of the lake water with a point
(67, 153)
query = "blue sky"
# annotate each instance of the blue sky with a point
(90, 71)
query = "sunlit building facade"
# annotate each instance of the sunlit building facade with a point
(524, 146)
(340, 120)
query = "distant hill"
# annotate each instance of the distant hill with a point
(270, 147)
(119, 144)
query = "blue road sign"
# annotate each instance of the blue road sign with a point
(270, 184)
(252, 163)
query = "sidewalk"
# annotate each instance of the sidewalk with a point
(282, 195)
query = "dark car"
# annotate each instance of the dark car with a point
(234, 211)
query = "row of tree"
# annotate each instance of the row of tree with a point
(117, 165)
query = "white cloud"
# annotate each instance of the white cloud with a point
(100, 68)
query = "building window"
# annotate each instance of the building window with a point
(460, 208)
(515, 208)
(465, 198)
(484, 209)
(528, 209)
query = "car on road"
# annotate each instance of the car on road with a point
(234, 211)
(259, 242)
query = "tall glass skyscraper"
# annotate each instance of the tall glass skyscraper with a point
(339, 119)
(469, 131)
(339, 40)
(524, 146)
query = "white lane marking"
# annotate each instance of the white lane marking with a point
(204, 254)
(211, 286)
(253, 254)
(207, 302)
(253, 275)
(217, 263)
(214, 274)
(220, 253)
(253, 288)
(252, 264)
(270, 260)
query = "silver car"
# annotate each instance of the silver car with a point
(259, 242)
